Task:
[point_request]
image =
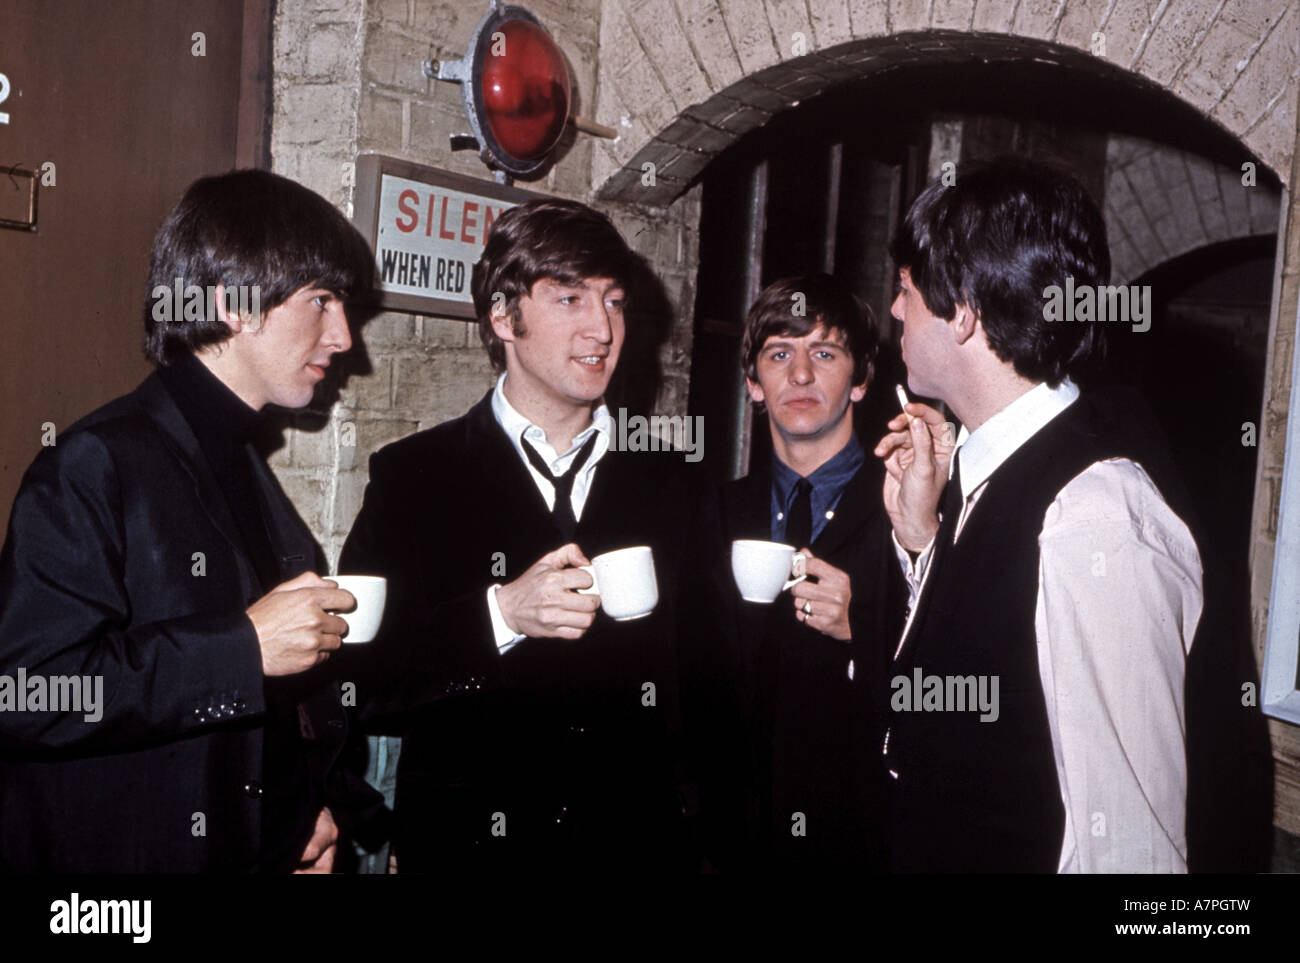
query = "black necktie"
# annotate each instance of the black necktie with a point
(562, 511)
(798, 523)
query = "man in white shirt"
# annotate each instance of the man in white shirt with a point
(1038, 719)
(536, 729)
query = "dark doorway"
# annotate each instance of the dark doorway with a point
(809, 199)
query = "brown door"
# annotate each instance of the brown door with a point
(129, 100)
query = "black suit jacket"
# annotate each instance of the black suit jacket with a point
(122, 561)
(571, 742)
(774, 725)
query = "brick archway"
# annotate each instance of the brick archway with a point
(1162, 202)
(682, 79)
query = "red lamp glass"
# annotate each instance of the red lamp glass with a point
(525, 91)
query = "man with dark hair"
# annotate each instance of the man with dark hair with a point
(782, 702)
(536, 732)
(211, 244)
(1037, 705)
(155, 569)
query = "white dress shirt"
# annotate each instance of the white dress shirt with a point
(517, 427)
(1119, 599)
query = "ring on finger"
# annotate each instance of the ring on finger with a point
(807, 607)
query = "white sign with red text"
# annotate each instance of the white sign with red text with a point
(429, 237)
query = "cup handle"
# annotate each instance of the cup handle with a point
(594, 589)
(796, 569)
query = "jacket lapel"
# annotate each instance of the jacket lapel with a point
(157, 402)
(499, 477)
(750, 510)
(617, 500)
(858, 504)
(295, 548)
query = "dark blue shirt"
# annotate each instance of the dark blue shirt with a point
(828, 484)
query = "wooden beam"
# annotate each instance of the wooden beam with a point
(253, 124)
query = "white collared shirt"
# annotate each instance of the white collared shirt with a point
(1119, 599)
(517, 428)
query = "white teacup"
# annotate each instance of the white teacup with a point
(371, 592)
(763, 570)
(625, 581)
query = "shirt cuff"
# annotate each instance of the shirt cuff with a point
(504, 635)
(913, 569)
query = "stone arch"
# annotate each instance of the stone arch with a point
(682, 79)
(1162, 202)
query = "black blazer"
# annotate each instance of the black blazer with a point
(122, 561)
(562, 738)
(774, 725)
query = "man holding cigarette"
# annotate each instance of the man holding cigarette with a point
(151, 550)
(1042, 555)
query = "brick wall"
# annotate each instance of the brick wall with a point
(348, 80)
(1162, 202)
(685, 77)
(316, 83)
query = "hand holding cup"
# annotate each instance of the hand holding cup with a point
(544, 602)
(763, 570)
(294, 627)
(363, 618)
(625, 583)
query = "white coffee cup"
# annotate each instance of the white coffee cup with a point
(625, 581)
(371, 592)
(763, 570)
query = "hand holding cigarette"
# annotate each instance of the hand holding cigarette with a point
(916, 453)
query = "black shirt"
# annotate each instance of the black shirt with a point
(224, 426)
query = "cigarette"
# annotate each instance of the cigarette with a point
(902, 397)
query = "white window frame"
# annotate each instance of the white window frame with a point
(1280, 697)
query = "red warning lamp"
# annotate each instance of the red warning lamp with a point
(515, 86)
(525, 91)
